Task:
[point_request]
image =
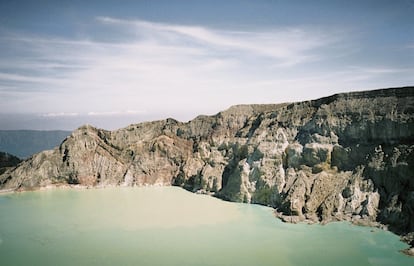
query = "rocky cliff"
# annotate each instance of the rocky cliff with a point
(344, 157)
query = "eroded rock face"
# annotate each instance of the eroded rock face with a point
(344, 157)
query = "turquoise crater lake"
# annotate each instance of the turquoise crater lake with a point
(170, 226)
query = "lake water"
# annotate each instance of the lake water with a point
(170, 226)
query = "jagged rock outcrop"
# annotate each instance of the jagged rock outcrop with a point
(344, 157)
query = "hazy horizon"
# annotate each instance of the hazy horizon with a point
(110, 64)
(109, 121)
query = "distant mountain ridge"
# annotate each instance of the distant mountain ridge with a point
(24, 143)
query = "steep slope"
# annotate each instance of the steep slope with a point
(344, 157)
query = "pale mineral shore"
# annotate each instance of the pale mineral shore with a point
(344, 157)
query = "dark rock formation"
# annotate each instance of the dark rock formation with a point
(344, 157)
(7, 161)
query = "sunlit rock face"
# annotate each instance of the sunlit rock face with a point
(344, 157)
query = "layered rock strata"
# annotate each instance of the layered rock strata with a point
(344, 157)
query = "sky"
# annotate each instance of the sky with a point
(113, 63)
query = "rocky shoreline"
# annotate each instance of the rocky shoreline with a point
(357, 221)
(344, 157)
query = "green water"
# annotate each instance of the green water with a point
(170, 226)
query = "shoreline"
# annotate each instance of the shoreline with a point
(408, 238)
(75, 187)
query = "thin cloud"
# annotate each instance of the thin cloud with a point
(290, 45)
(61, 114)
(7, 77)
(176, 70)
(382, 70)
(116, 113)
(112, 113)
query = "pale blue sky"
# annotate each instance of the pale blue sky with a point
(111, 63)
